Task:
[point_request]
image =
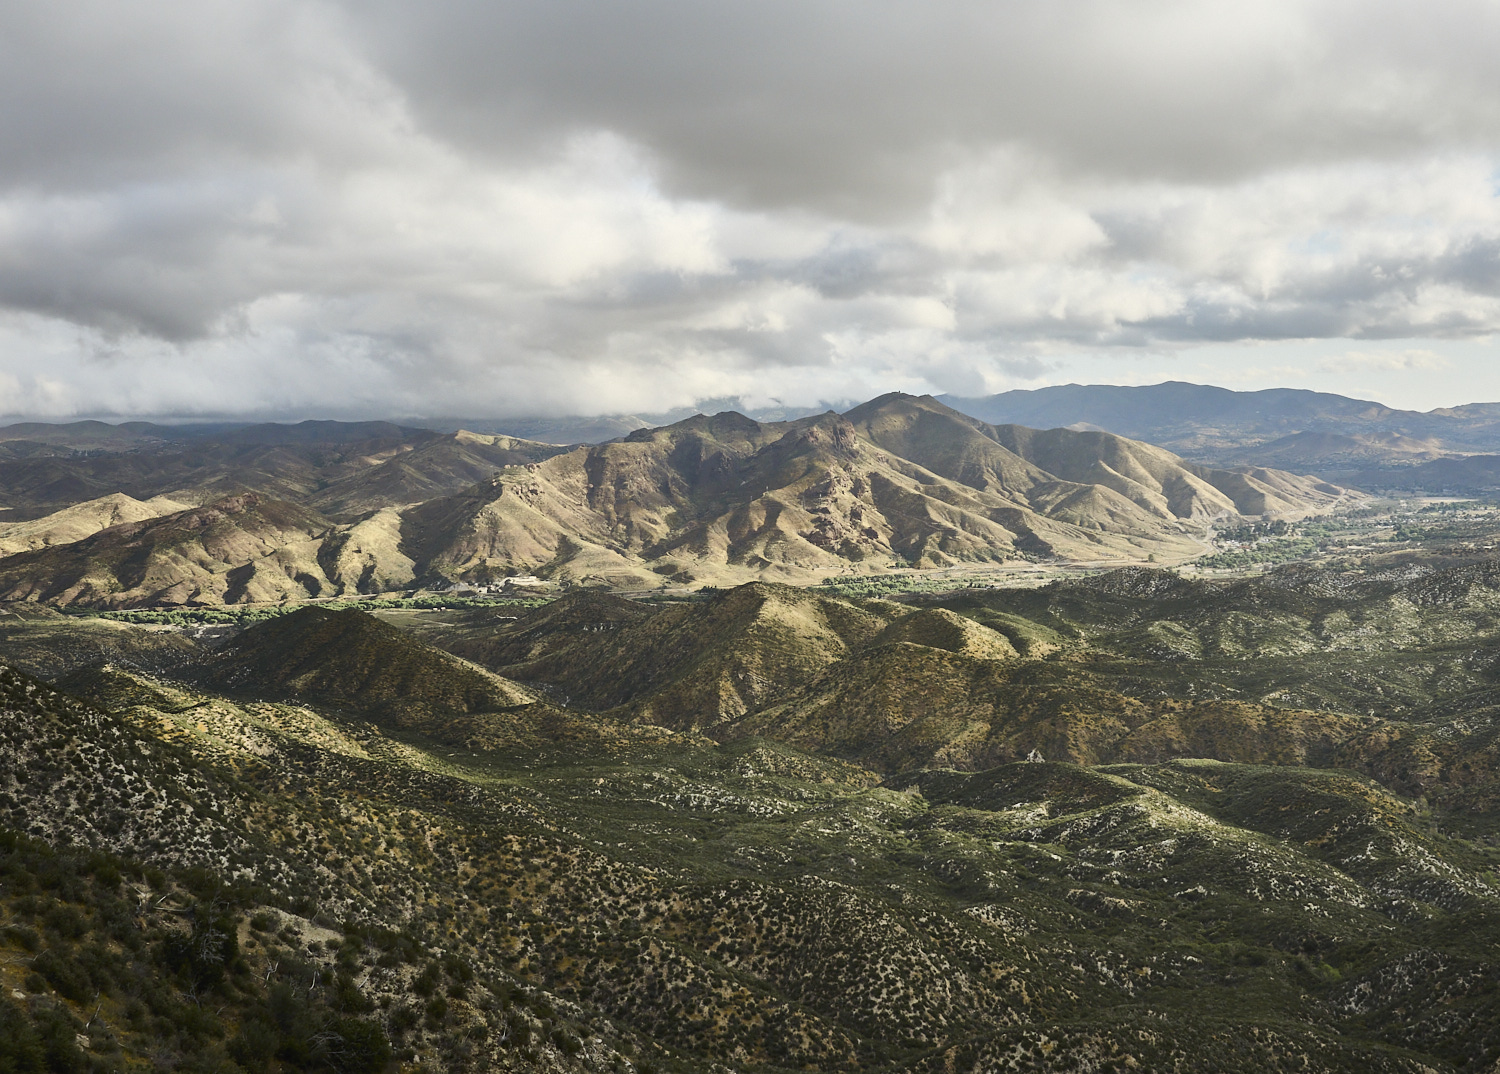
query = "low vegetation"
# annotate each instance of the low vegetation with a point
(835, 854)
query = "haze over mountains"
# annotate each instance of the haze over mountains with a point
(332, 510)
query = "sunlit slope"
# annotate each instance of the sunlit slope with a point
(244, 548)
(80, 521)
(898, 479)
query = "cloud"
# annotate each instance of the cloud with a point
(792, 103)
(1385, 362)
(284, 208)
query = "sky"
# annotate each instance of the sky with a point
(296, 208)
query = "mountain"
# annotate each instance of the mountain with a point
(1472, 475)
(243, 548)
(87, 434)
(350, 659)
(1169, 412)
(899, 481)
(1286, 427)
(343, 469)
(80, 521)
(1328, 450)
(728, 499)
(581, 429)
(195, 471)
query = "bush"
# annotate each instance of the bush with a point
(64, 975)
(21, 1050)
(255, 1045)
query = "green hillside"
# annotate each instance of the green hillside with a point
(686, 907)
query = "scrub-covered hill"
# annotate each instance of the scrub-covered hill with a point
(1390, 674)
(352, 660)
(225, 883)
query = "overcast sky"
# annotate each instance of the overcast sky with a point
(291, 209)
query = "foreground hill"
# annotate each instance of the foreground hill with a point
(903, 479)
(210, 881)
(1383, 673)
(351, 659)
(683, 666)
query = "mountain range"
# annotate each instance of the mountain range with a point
(899, 481)
(1354, 441)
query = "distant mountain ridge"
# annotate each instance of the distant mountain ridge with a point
(1343, 439)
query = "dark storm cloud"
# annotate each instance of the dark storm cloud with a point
(857, 105)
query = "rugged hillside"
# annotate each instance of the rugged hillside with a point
(80, 521)
(352, 660)
(686, 666)
(212, 880)
(243, 548)
(902, 479)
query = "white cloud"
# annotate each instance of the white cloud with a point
(1386, 361)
